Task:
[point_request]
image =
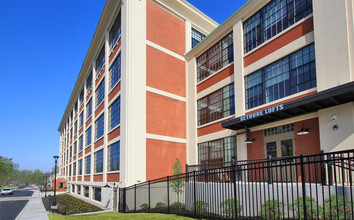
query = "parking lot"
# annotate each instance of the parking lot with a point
(12, 205)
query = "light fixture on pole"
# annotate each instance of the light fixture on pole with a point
(55, 179)
(249, 141)
(303, 131)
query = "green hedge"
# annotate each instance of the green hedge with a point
(69, 205)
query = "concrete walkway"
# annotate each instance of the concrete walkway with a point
(34, 209)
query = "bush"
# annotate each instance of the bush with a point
(68, 205)
(201, 207)
(145, 207)
(298, 207)
(159, 206)
(228, 207)
(271, 209)
(177, 207)
(330, 208)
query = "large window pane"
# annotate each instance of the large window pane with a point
(114, 155)
(114, 114)
(100, 126)
(99, 161)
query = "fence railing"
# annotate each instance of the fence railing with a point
(308, 186)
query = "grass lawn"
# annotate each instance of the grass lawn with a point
(11, 187)
(116, 215)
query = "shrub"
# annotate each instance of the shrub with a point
(298, 207)
(201, 207)
(159, 206)
(145, 207)
(177, 207)
(271, 209)
(68, 205)
(228, 207)
(332, 211)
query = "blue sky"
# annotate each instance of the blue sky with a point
(43, 44)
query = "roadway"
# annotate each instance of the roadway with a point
(12, 205)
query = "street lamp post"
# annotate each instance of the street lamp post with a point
(55, 179)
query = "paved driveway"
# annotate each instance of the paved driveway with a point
(12, 205)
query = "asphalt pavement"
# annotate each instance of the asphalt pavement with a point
(12, 205)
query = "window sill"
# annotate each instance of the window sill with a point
(98, 105)
(114, 46)
(216, 121)
(113, 87)
(99, 138)
(113, 172)
(214, 74)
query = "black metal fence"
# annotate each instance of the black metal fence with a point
(301, 187)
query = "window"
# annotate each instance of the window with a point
(74, 168)
(80, 167)
(114, 72)
(197, 37)
(76, 108)
(86, 191)
(114, 114)
(81, 119)
(97, 193)
(89, 109)
(100, 61)
(99, 161)
(100, 93)
(272, 19)
(287, 76)
(61, 185)
(75, 127)
(89, 83)
(88, 136)
(81, 96)
(99, 126)
(115, 31)
(217, 151)
(216, 105)
(71, 151)
(88, 164)
(70, 170)
(72, 188)
(215, 58)
(71, 133)
(75, 148)
(78, 189)
(81, 144)
(113, 156)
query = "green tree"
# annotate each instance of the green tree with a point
(176, 180)
(7, 169)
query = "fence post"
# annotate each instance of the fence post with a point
(303, 179)
(270, 176)
(168, 194)
(330, 170)
(124, 199)
(234, 182)
(187, 179)
(206, 172)
(323, 169)
(134, 197)
(149, 198)
(195, 196)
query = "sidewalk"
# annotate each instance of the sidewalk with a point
(34, 209)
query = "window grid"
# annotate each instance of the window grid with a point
(81, 144)
(99, 127)
(114, 114)
(115, 31)
(81, 96)
(115, 72)
(217, 151)
(287, 76)
(100, 61)
(100, 93)
(88, 136)
(279, 130)
(114, 155)
(272, 19)
(89, 109)
(215, 58)
(75, 127)
(74, 169)
(197, 37)
(216, 105)
(81, 119)
(75, 148)
(88, 164)
(99, 161)
(97, 193)
(86, 191)
(89, 82)
(80, 167)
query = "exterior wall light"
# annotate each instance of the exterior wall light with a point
(303, 131)
(249, 141)
(335, 127)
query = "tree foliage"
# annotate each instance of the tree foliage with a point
(176, 181)
(8, 169)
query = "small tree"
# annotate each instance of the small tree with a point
(311, 208)
(176, 182)
(271, 209)
(228, 207)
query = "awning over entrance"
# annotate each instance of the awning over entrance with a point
(331, 97)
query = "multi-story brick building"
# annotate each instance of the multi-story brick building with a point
(275, 79)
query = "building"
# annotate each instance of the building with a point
(161, 80)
